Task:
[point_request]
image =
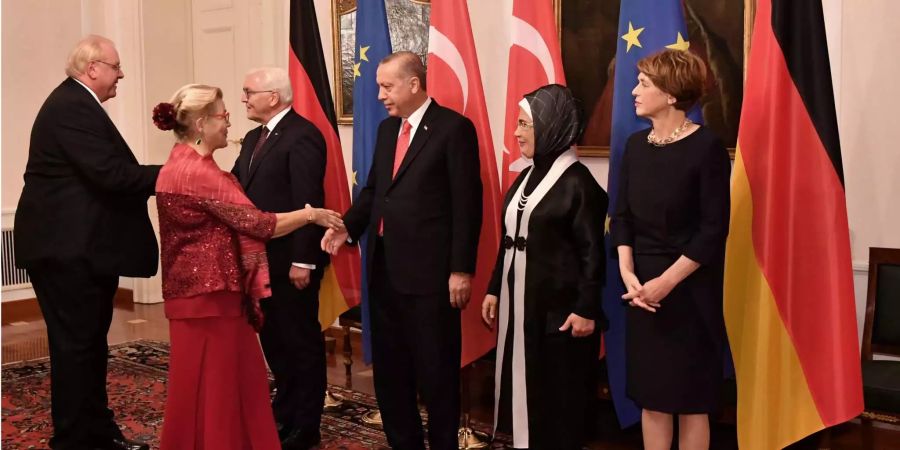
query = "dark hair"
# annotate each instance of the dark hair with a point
(680, 74)
(410, 65)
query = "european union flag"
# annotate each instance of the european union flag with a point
(645, 27)
(373, 42)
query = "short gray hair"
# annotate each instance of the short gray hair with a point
(88, 49)
(275, 79)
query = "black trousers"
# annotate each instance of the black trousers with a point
(294, 347)
(416, 345)
(77, 306)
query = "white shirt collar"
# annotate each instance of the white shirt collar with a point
(89, 90)
(415, 118)
(273, 122)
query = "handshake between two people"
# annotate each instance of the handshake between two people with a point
(459, 285)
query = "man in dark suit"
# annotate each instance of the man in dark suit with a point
(422, 205)
(282, 168)
(81, 223)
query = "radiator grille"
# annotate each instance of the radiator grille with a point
(12, 277)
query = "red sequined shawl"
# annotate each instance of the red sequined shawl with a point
(212, 237)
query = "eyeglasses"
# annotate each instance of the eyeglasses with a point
(525, 125)
(225, 115)
(116, 67)
(248, 92)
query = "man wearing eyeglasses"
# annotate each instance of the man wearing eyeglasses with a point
(81, 223)
(282, 168)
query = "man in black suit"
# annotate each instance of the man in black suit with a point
(81, 223)
(282, 168)
(422, 205)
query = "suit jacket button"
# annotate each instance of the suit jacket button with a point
(387, 200)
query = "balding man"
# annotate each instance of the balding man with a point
(81, 223)
(282, 168)
(422, 208)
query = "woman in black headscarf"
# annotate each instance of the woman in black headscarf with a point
(547, 282)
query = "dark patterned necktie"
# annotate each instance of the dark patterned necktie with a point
(259, 144)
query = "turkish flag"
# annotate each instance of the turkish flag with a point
(455, 83)
(534, 61)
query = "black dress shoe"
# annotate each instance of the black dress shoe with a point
(126, 444)
(301, 441)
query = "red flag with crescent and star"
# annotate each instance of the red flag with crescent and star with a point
(455, 82)
(534, 61)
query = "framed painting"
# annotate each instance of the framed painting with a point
(408, 24)
(719, 32)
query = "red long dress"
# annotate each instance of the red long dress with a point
(214, 273)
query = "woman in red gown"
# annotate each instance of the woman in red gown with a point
(214, 274)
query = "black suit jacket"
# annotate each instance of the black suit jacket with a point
(288, 173)
(431, 209)
(85, 195)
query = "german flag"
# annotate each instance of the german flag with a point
(312, 100)
(789, 304)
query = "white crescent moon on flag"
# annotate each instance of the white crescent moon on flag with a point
(528, 37)
(443, 48)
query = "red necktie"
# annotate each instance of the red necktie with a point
(402, 145)
(259, 144)
(399, 154)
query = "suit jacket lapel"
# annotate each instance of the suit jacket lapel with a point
(423, 132)
(274, 135)
(244, 156)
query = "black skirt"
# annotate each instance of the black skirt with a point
(674, 356)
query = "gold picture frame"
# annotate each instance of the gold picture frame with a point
(343, 26)
(408, 22)
(739, 42)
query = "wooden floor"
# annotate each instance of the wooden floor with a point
(24, 337)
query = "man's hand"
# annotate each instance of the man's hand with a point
(460, 289)
(334, 240)
(489, 310)
(580, 326)
(299, 277)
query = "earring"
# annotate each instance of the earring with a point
(198, 141)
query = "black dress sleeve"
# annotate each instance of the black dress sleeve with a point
(707, 245)
(621, 226)
(497, 277)
(587, 230)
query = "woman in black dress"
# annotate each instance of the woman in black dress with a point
(547, 281)
(669, 228)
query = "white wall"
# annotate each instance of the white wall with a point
(33, 64)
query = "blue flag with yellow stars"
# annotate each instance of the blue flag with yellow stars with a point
(645, 27)
(373, 42)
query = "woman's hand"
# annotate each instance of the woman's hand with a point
(489, 310)
(656, 290)
(634, 291)
(580, 326)
(324, 218)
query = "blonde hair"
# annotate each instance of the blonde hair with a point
(680, 74)
(190, 102)
(89, 48)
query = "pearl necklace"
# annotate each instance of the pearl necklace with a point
(523, 201)
(656, 141)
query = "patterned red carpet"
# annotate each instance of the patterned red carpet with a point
(137, 393)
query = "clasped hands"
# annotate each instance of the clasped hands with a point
(648, 295)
